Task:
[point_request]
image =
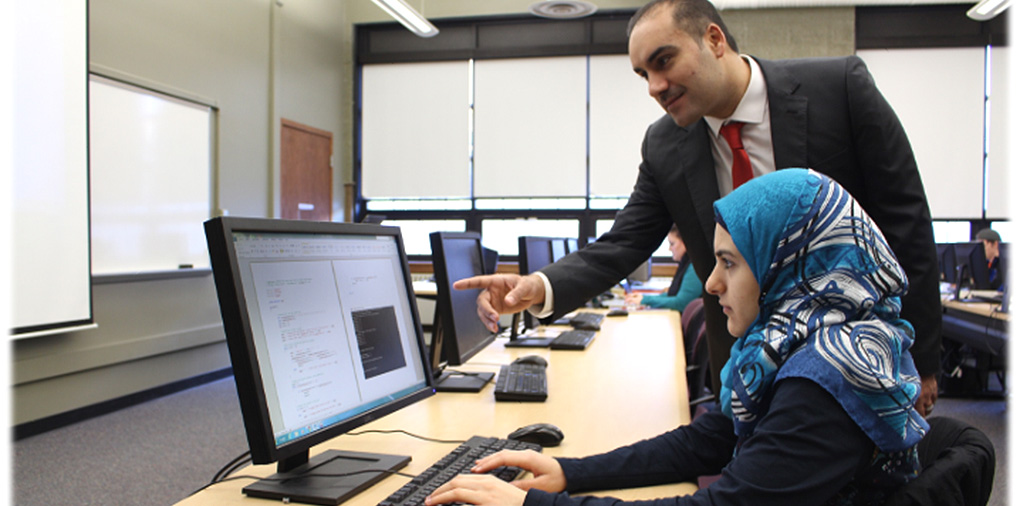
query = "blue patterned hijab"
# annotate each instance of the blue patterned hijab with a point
(829, 307)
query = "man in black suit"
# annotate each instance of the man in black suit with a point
(824, 114)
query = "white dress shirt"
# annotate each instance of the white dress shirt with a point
(753, 110)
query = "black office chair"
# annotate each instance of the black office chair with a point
(958, 466)
(692, 322)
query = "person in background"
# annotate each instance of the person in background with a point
(818, 392)
(996, 269)
(685, 286)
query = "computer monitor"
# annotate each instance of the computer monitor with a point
(458, 334)
(642, 274)
(533, 253)
(490, 260)
(978, 265)
(947, 261)
(323, 333)
(571, 244)
(557, 248)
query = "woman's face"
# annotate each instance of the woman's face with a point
(676, 246)
(733, 282)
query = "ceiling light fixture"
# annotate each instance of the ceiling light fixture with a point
(987, 9)
(563, 9)
(408, 17)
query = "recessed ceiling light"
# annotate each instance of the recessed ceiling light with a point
(563, 9)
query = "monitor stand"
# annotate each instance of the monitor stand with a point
(315, 480)
(457, 381)
(525, 342)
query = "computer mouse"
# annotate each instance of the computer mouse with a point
(617, 312)
(532, 359)
(543, 434)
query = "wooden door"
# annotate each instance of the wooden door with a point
(306, 174)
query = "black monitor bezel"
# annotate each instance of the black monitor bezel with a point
(240, 342)
(452, 342)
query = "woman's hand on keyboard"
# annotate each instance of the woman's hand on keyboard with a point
(477, 489)
(546, 472)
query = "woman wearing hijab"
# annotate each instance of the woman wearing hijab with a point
(818, 393)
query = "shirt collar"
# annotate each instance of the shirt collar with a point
(751, 108)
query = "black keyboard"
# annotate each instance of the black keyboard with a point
(587, 321)
(458, 461)
(573, 340)
(521, 382)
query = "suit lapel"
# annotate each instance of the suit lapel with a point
(788, 113)
(698, 167)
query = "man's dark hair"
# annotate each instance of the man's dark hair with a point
(691, 16)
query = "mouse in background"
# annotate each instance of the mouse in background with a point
(544, 434)
(532, 359)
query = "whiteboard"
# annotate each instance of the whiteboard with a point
(50, 283)
(150, 158)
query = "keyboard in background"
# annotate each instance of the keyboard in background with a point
(573, 340)
(587, 321)
(521, 382)
(458, 461)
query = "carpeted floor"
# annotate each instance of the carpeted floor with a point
(158, 452)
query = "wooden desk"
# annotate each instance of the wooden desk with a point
(976, 324)
(629, 384)
(975, 344)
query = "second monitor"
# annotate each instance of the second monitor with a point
(458, 334)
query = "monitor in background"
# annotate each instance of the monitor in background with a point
(458, 334)
(947, 262)
(571, 244)
(373, 218)
(533, 253)
(642, 274)
(978, 265)
(557, 248)
(490, 260)
(324, 336)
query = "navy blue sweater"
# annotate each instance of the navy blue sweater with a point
(805, 450)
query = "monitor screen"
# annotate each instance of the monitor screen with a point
(458, 332)
(571, 244)
(324, 336)
(558, 248)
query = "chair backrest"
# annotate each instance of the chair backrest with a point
(692, 322)
(958, 467)
(692, 318)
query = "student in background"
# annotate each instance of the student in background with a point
(685, 286)
(996, 269)
(818, 392)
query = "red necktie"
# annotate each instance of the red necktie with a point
(741, 162)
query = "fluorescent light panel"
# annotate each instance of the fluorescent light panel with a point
(987, 9)
(408, 17)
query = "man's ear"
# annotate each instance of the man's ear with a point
(715, 39)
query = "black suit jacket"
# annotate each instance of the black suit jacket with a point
(826, 114)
